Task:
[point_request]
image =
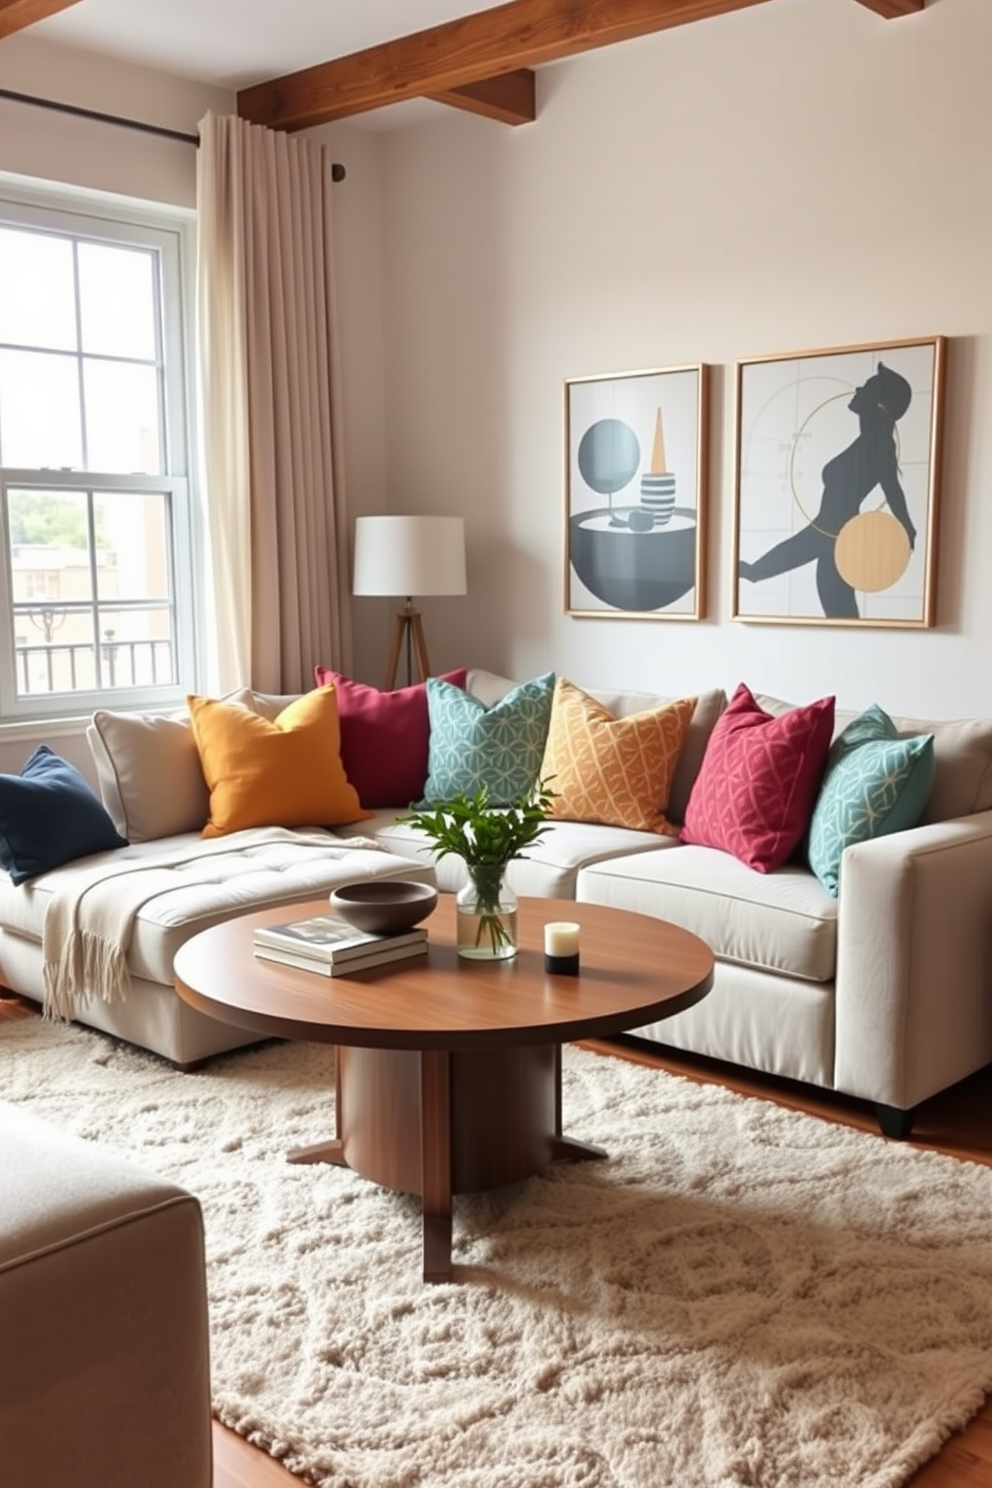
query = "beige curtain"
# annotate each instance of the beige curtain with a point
(270, 407)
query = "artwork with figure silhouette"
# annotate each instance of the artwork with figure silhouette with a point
(869, 461)
(860, 521)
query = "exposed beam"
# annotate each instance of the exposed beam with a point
(16, 14)
(521, 34)
(891, 10)
(511, 98)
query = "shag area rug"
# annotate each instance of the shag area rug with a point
(741, 1297)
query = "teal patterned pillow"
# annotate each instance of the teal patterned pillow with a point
(874, 783)
(501, 747)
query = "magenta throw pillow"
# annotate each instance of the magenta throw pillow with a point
(757, 786)
(385, 737)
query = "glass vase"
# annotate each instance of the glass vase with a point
(487, 916)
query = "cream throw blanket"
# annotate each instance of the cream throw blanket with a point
(90, 918)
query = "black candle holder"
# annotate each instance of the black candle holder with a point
(562, 965)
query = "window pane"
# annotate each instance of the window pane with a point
(39, 411)
(117, 301)
(37, 290)
(122, 423)
(56, 649)
(136, 647)
(134, 565)
(50, 528)
(132, 536)
(50, 575)
(63, 664)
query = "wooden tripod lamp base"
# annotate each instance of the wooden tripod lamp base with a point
(408, 636)
(408, 556)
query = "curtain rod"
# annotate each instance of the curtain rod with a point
(337, 170)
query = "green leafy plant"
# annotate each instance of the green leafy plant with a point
(487, 838)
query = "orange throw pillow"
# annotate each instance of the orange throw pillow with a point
(281, 773)
(613, 770)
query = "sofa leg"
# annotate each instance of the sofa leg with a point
(894, 1121)
(191, 1067)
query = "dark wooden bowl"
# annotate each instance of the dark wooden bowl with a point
(384, 906)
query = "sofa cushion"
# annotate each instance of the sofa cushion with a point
(286, 772)
(962, 757)
(617, 771)
(784, 922)
(962, 754)
(148, 770)
(266, 704)
(759, 779)
(710, 703)
(874, 783)
(548, 871)
(500, 747)
(50, 814)
(385, 737)
(246, 877)
(134, 753)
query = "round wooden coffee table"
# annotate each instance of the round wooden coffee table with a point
(449, 1070)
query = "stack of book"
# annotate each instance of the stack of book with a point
(329, 945)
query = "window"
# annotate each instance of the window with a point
(97, 587)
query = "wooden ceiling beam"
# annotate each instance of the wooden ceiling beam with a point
(464, 52)
(510, 98)
(16, 14)
(891, 10)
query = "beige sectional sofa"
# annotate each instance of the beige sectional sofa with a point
(171, 882)
(884, 993)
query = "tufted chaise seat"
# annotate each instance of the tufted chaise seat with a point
(247, 875)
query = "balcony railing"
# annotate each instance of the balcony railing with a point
(70, 666)
(54, 664)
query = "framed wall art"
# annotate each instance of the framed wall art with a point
(837, 475)
(635, 482)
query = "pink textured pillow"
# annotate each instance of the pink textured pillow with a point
(757, 786)
(385, 737)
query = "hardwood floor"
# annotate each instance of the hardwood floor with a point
(958, 1121)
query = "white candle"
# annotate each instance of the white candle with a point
(561, 938)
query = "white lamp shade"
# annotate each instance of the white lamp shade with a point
(409, 555)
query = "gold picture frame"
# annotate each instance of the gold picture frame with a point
(635, 488)
(837, 485)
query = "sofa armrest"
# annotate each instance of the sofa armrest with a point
(914, 961)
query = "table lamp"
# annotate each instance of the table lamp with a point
(409, 556)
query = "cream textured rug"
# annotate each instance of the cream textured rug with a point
(742, 1297)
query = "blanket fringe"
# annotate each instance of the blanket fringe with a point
(87, 962)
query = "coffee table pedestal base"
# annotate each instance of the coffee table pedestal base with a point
(437, 1122)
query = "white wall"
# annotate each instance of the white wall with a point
(358, 246)
(797, 176)
(82, 152)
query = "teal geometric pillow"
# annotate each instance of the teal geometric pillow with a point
(501, 747)
(874, 783)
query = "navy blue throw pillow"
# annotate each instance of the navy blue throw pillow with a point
(50, 814)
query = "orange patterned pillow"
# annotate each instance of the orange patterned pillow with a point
(286, 773)
(613, 770)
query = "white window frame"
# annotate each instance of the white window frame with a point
(170, 233)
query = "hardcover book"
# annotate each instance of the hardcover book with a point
(381, 955)
(331, 939)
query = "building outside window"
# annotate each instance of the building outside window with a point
(97, 586)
